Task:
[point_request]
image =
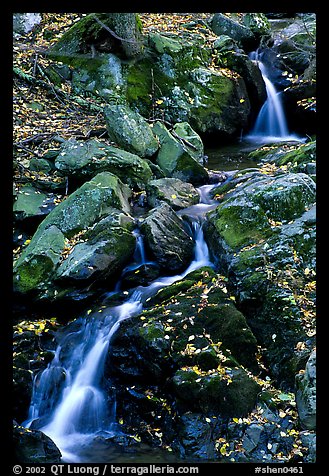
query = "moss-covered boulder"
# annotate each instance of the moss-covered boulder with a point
(86, 159)
(39, 260)
(172, 80)
(84, 207)
(191, 139)
(105, 250)
(176, 193)
(196, 325)
(130, 130)
(227, 391)
(175, 158)
(33, 446)
(264, 232)
(167, 239)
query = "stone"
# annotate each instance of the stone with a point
(39, 259)
(86, 159)
(32, 203)
(221, 24)
(167, 239)
(130, 130)
(231, 393)
(175, 192)
(33, 446)
(106, 249)
(306, 394)
(82, 209)
(175, 158)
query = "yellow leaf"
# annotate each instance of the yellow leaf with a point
(242, 100)
(174, 196)
(159, 101)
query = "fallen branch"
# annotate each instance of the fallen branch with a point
(55, 90)
(173, 133)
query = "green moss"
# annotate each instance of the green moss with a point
(240, 224)
(32, 272)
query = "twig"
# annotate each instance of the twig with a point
(173, 133)
(19, 145)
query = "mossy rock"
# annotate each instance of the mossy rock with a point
(175, 192)
(92, 201)
(231, 393)
(38, 260)
(176, 160)
(86, 159)
(103, 254)
(130, 130)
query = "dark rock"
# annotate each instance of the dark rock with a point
(195, 436)
(33, 446)
(306, 394)
(166, 237)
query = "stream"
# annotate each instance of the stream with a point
(68, 402)
(72, 412)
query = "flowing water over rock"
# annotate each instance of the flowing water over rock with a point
(271, 124)
(68, 403)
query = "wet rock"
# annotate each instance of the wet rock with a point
(175, 192)
(130, 130)
(228, 393)
(195, 436)
(33, 446)
(167, 238)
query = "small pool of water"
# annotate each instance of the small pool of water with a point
(230, 157)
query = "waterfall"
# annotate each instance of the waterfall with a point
(68, 402)
(271, 123)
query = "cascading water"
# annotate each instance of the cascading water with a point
(68, 402)
(271, 123)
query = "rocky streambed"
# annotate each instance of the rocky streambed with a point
(214, 358)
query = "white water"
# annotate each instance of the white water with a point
(271, 124)
(72, 412)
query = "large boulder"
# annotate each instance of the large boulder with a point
(86, 159)
(264, 232)
(130, 130)
(167, 239)
(106, 249)
(175, 158)
(84, 207)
